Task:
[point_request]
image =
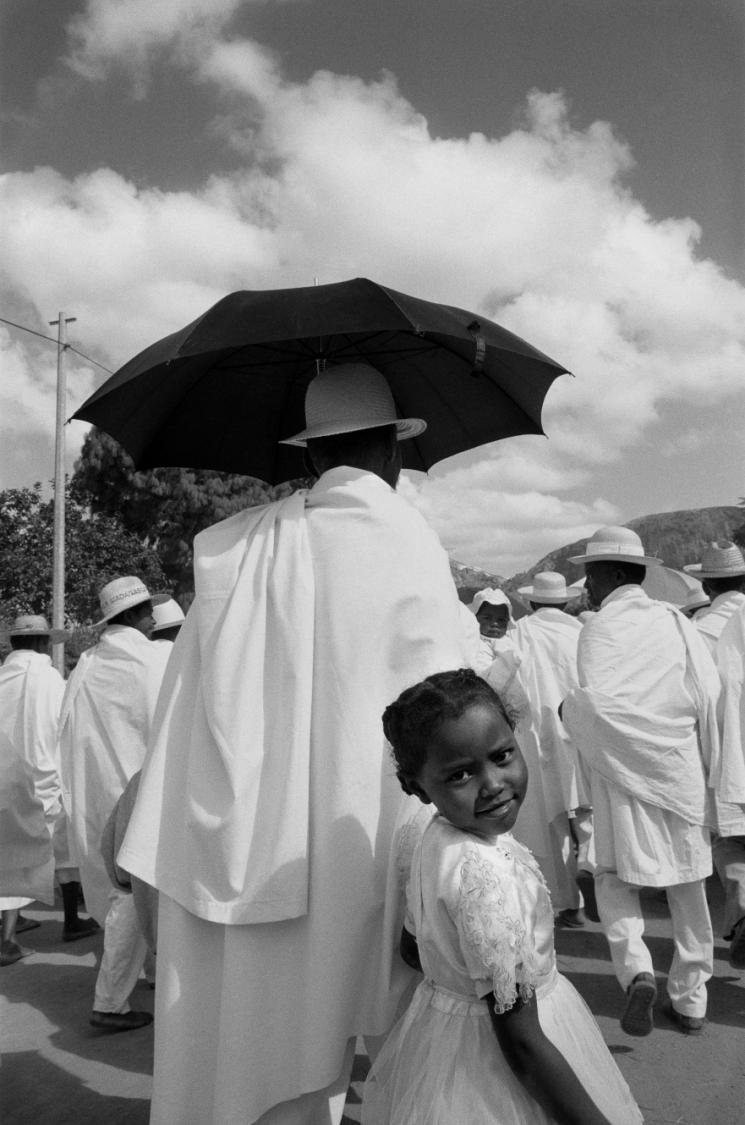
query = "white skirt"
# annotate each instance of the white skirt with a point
(442, 1063)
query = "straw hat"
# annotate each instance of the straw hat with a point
(492, 597)
(549, 588)
(35, 625)
(720, 560)
(121, 594)
(167, 615)
(351, 396)
(615, 544)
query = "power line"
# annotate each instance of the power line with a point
(52, 340)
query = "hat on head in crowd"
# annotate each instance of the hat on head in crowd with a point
(549, 588)
(167, 615)
(720, 560)
(123, 593)
(349, 397)
(491, 596)
(615, 544)
(35, 625)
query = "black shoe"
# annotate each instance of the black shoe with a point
(689, 1025)
(572, 919)
(641, 995)
(736, 946)
(11, 951)
(25, 924)
(120, 1021)
(586, 882)
(83, 927)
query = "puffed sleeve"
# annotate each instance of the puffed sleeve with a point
(495, 929)
(407, 840)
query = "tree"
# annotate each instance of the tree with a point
(165, 508)
(97, 549)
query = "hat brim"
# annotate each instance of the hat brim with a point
(549, 599)
(697, 569)
(56, 636)
(405, 428)
(154, 599)
(611, 556)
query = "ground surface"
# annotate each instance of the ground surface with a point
(57, 1070)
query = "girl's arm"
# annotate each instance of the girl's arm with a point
(541, 1068)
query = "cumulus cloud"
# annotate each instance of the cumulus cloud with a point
(342, 178)
(130, 32)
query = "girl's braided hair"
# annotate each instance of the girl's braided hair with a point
(411, 720)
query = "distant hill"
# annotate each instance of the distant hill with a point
(675, 537)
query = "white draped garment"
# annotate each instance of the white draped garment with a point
(31, 691)
(712, 618)
(105, 722)
(546, 642)
(26, 856)
(730, 657)
(269, 802)
(644, 720)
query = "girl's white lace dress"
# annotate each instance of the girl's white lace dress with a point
(483, 920)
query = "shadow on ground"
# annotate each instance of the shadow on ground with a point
(57, 1097)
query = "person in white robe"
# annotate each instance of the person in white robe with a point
(729, 844)
(106, 717)
(26, 854)
(268, 803)
(31, 692)
(644, 720)
(722, 575)
(559, 831)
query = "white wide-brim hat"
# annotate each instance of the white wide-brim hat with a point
(349, 397)
(124, 593)
(720, 560)
(35, 625)
(615, 544)
(491, 596)
(549, 588)
(167, 615)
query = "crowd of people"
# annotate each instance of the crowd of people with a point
(343, 804)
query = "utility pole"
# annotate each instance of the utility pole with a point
(58, 562)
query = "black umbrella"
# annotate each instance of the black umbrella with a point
(222, 392)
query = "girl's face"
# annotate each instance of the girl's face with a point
(474, 773)
(493, 619)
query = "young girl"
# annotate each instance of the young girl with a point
(493, 1035)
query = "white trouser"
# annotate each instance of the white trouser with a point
(623, 922)
(728, 853)
(124, 950)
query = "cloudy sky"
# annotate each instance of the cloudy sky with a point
(574, 169)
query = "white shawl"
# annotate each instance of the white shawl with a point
(644, 716)
(262, 681)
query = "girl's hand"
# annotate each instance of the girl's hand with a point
(409, 950)
(541, 1068)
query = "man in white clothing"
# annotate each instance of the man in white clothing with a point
(555, 819)
(107, 713)
(31, 692)
(644, 720)
(268, 805)
(722, 575)
(729, 843)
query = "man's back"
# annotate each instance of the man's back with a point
(378, 610)
(634, 650)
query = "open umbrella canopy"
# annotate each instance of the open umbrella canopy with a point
(223, 391)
